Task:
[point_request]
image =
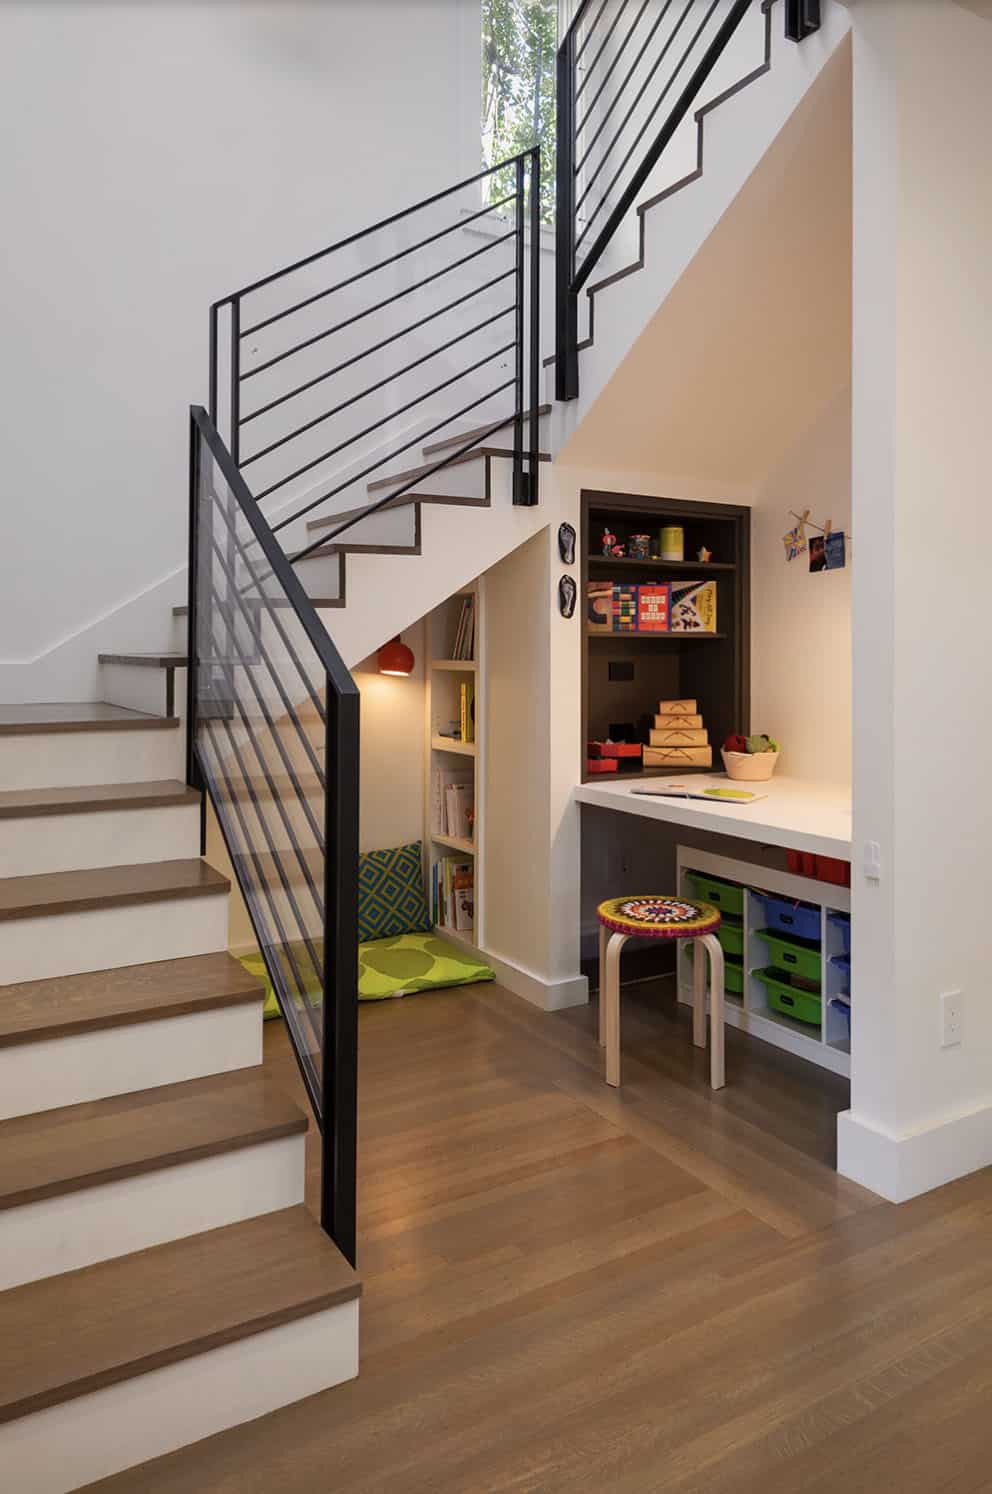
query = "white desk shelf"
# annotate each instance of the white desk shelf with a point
(828, 1044)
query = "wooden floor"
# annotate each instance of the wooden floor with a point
(570, 1288)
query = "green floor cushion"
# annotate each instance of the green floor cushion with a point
(414, 962)
(392, 967)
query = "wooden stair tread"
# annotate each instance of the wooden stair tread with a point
(81, 1146)
(150, 661)
(75, 1333)
(430, 468)
(25, 803)
(404, 500)
(451, 443)
(20, 720)
(107, 887)
(70, 1004)
(342, 547)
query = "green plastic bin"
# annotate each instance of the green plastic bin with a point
(797, 956)
(731, 936)
(786, 998)
(733, 978)
(726, 896)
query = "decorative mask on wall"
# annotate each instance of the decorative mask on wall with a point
(567, 592)
(566, 544)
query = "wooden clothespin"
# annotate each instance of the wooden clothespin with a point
(826, 529)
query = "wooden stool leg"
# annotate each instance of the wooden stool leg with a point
(715, 950)
(613, 948)
(698, 994)
(604, 934)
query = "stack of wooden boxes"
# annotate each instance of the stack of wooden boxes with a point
(678, 738)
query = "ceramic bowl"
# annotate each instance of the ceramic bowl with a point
(750, 767)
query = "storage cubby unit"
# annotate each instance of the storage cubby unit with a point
(624, 675)
(455, 704)
(808, 923)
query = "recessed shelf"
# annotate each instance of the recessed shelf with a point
(662, 565)
(452, 744)
(456, 666)
(467, 847)
(654, 637)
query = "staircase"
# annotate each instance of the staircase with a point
(160, 1278)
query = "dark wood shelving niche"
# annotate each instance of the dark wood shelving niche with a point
(711, 668)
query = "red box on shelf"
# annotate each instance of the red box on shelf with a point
(602, 765)
(614, 749)
(654, 607)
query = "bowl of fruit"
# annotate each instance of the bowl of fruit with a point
(750, 759)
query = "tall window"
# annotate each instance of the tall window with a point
(519, 39)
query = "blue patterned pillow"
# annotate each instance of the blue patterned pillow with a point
(391, 896)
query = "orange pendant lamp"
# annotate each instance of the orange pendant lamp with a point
(395, 658)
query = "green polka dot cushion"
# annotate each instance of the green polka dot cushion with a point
(414, 962)
(389, 967)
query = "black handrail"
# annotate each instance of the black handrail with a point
(297, 870)
(276, 454)
(633, 148)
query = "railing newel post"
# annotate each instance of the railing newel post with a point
(566, 298)
(535, 325)
(519, 395)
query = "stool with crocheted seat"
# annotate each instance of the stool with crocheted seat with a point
(624, 918)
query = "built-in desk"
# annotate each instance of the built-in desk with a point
(797, 814)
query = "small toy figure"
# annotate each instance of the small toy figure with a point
(608, 542)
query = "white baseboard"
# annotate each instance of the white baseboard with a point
(902, 1167)
(93, 1436)
(549, 995)
(77, 1229)
(70, 1070)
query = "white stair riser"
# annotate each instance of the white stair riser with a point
(112, 1219)
(70, 758)
(112, 837)
(140, 687)
(78, 1067)
(93, 1436)
(106, 938)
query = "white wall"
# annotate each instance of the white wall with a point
(922, 710)
(161, 155)
(801, 622)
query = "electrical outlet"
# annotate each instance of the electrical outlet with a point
(951, 1019)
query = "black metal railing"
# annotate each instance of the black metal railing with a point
(364, 351)
(629, 71)
(272, 720)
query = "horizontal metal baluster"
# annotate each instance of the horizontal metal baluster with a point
(364, 233)
(417, 440)
(637, 99)
(378, 424)
(373, 388)
(610, 70)
(287, 703)
(581, 160)
(255, 859)
(589, 34)
(277, 798)
(456, 264)
(383, 264)
(377, 347)
(604, 44)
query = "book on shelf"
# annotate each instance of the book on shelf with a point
(464, 645)
(452, 894)
(459, 806)
(467, 705)
(442, 780)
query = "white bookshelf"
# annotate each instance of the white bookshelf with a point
(827, 1044)
(451, 755)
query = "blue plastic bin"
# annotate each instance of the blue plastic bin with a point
(842, 923)
(800, 919)
(844, 1012)
(843, 964)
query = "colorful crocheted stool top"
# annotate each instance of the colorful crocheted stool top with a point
(658, 917)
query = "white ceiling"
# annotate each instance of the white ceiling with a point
(755, 338)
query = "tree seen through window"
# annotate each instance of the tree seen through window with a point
(519, 40)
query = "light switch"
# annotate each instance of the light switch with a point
(873, 861)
